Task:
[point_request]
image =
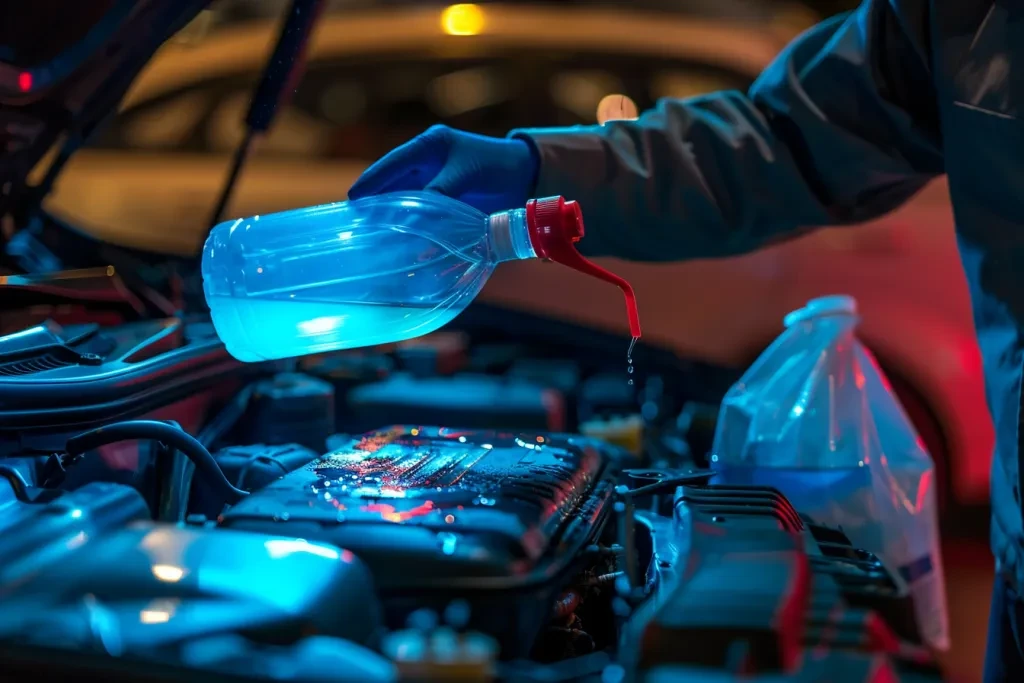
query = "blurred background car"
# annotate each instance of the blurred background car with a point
(381, 72)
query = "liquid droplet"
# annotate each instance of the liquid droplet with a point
(629, 358)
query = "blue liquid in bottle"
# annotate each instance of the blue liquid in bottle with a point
(351, 274)
(372, 271)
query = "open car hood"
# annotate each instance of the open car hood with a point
(64, 67)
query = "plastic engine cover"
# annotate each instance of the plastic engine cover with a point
(433, 507)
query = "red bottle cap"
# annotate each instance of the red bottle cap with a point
(555, 227)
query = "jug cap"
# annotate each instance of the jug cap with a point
(839, 304)
(555, 226)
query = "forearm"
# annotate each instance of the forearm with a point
(690, 179)
(817, 142)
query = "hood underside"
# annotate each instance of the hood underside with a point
(64, 67)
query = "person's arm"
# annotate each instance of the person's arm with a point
(841, 128)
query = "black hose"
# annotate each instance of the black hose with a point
(179, 439)
(17, 481)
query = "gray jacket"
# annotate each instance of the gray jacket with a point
(849, 122)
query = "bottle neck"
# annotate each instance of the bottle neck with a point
(509, 236)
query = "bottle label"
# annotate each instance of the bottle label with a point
(925, 583)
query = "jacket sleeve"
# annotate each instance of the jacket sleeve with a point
(841, 128)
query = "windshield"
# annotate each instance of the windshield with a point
(149, 179)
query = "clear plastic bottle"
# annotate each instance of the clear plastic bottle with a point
(815, 418)
(372, 271)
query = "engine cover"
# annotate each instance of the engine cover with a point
(431, 508)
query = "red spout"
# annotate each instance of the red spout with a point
(555, 227)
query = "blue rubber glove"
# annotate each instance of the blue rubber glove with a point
(491, 174)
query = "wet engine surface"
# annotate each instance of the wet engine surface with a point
(458, 506)
(495, 519)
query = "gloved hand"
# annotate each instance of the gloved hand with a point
(491, 174)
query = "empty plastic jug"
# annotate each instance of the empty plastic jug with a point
(372, 271)
(815, 418)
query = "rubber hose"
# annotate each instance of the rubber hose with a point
(185, 443)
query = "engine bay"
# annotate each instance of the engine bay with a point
(476, 505)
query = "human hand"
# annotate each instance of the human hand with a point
(491, 174)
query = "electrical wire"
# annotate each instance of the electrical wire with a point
(179, 439)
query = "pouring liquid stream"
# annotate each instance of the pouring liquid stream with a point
(629, 359)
